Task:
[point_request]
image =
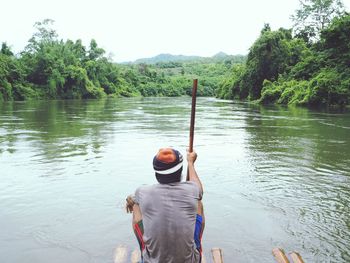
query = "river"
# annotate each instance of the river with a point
(273, 176)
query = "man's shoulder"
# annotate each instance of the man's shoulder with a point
(154, 187)
(148, 192)
(143, 192)
(188, 187)
(145, 188)
(189, 184)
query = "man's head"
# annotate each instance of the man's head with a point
(167, 165)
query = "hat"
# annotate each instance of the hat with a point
(167, 165)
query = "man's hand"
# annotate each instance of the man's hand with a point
(129, 204)
(191, 171)
(191, 157)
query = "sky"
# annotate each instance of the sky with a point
(132, 29)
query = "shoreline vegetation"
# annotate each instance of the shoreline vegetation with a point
(308, 65)
(49, 68)
(283, 69)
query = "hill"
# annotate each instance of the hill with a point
(166, 58)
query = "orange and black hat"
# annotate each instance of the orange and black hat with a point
(167, 165)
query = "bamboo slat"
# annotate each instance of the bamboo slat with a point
(296, 258)
(135, 256)
(120, 254)
(280, 256)
(217, 255)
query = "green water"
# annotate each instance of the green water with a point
(272, 177)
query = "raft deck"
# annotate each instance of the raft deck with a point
(121, 255)
(124, 255)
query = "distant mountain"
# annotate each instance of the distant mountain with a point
(165, 58)
(220, 55)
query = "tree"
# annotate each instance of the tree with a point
(266, 28)
(336, 38)
(95, 52)
(44, 35)
(5, 49)
(273, 53)
(315, 15)
(322, 76)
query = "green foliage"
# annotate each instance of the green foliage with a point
(5, 50)
(5, 86)
(294, 92)
(330, 87)
(226, 88)
(168, 60)
(285, 92)
(10, 74)
(335, 42)
(308, 66)
(273, 53)
(175, 78)
(285, 70)
(313, 16)
(50, 68)
(327, 88)
(95, 52)
(22, 92)
(270, 92)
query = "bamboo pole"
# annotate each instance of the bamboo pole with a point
(193, 115)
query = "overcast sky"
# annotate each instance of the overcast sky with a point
(133, 29)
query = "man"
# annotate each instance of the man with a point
(168, 218)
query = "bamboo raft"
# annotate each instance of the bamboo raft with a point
(121, 255)
(281, 257)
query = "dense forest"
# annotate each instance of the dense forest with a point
(310, 68)
(172, 76)
(306, 65)
(50, 68)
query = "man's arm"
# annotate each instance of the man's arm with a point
(192, 174)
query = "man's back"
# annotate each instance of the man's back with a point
(169, 218)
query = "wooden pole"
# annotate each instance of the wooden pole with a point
(193, 113)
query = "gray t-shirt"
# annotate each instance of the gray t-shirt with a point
(169, 218)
